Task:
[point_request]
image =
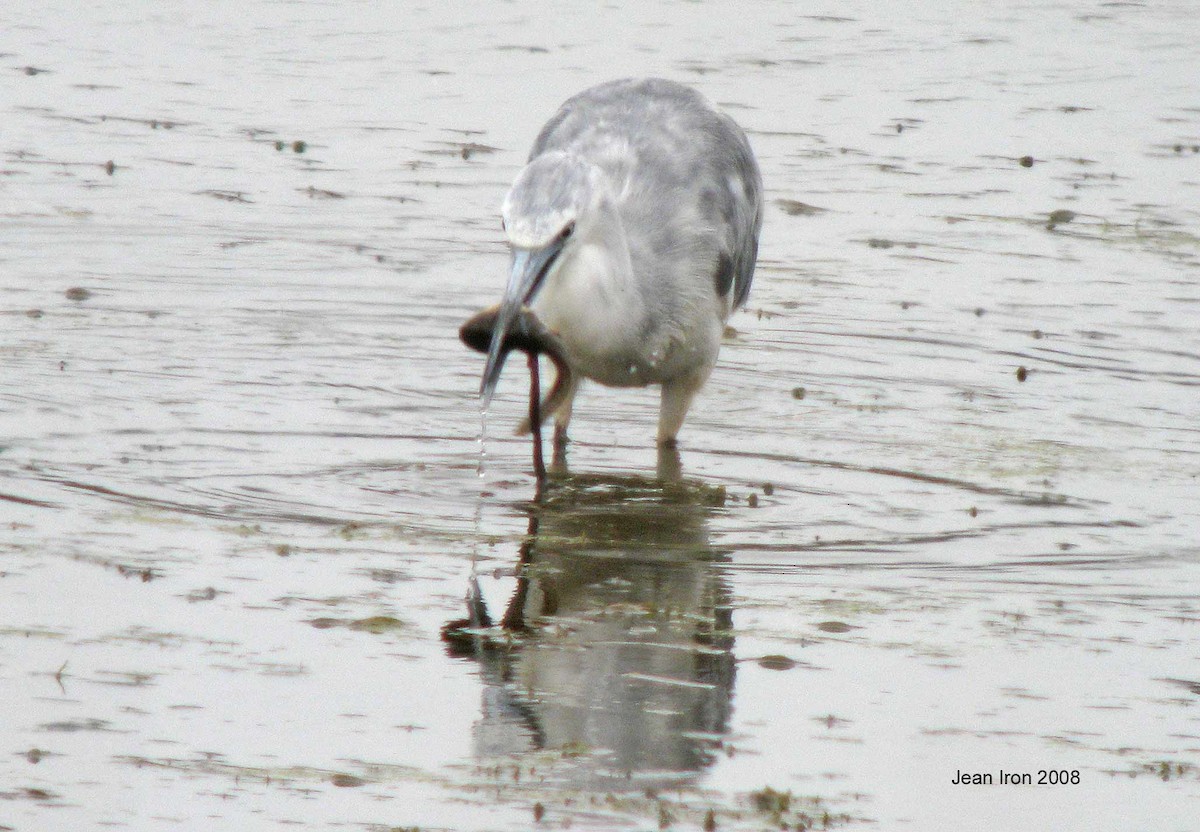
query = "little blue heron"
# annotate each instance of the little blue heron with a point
(634, 231)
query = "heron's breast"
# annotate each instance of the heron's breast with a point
(651, 358)
(594, 310)
(622, 332)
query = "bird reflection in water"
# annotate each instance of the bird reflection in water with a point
(616, 644)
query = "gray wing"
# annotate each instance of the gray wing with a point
(741, 205)
(665, 140)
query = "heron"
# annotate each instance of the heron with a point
(633, 231)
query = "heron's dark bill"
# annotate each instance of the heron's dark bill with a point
(528, 269)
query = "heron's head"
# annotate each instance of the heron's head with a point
(548, 199)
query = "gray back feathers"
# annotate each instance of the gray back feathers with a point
(668, 155)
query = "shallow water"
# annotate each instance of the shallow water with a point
(239, 439)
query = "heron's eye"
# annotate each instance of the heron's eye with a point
(568, 231)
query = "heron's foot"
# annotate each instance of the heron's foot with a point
(677, 397)
(558, 461)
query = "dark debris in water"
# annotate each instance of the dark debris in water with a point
(71, 726)
(377, 624)
(143, 573)
(1166, 770)
(226, 196)
(785, 810)
(776, 662)
(463, 150)
(1059, 217)
(525, 782)
(883, 243)
(512, 47)
(347, 781)
(1190, 685)
(28, 793)
(321, 193)
(795, 208)
(35, 755)
(834, 627)
(298, 777)
(152, 123)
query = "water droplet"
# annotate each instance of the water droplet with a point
(481, 468)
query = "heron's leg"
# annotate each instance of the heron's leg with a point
(677, 395)
(562, 416)
(558, 462)
(560, 396)
(535, 420)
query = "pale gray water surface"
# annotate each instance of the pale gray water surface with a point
(239, 439)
